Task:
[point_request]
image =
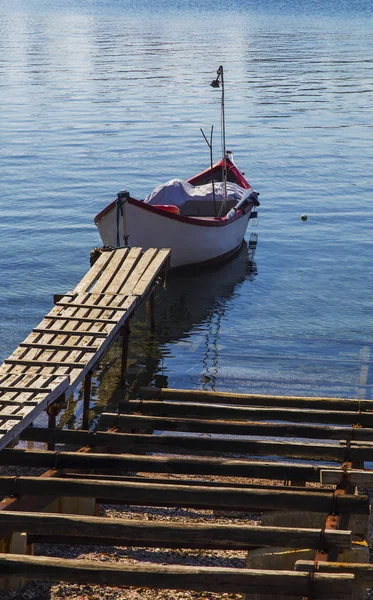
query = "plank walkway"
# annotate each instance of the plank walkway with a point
(71, 339)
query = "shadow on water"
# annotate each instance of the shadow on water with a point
(189, 302)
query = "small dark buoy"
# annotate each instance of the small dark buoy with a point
(304, 217)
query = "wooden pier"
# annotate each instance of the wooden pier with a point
(64, 348)
(294, 462)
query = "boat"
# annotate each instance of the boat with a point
(203, 220)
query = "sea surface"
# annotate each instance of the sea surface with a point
(101, 95)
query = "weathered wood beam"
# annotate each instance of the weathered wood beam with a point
(128, 421)
(363, 572)
(45, 363)
(164, 464)
(193, 444)
(176, 577)
(143, 533)
(242, 413)
(191, 482)
(359, 477)
(255, 399)
(71, 332)
(183, 495)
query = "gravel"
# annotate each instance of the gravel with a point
(137, 555)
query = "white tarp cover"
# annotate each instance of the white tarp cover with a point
(177, 192)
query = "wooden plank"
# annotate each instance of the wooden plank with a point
(113, 272)
(183, 409)
(363, 572)
(190, 482)
(52, 346)
(221, 580)
(222, 467)
(73, 332)
(92, 306)
(360, 478)
(131, 421)
(134, 443)
(88, 280)
(51, 363)
(81, 319)
(132, 260)
(203, 497)
(143, 533)
(161, 259)
(324, 403)
(138, 272)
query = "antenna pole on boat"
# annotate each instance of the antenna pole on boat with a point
(216, 83)
(209, 143)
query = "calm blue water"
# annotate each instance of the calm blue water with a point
(96, 96)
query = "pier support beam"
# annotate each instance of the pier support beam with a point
(52, 411)
(150, 309)
(86, 399)
(126, 330)
(16, 543)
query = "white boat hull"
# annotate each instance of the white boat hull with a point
(192, 240)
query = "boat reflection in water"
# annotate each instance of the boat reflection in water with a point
(193, 304)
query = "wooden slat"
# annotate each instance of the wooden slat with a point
(184, 409)
(92, 306)
(222, 467)
(355, 477)
(73, 332)
(143, 286)
(203, 425)
(133, 259)
(95, 271)
(81, 319)
(363, 572)
(138, 272)
(221, 580)
(198, 535)
(45, 363)
(113, 272)
(201, 497)
(321, 403)
(134, 443)
(59, 347)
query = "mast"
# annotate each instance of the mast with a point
(216, 83)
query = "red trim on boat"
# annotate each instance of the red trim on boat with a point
(206, 221)
(199, 221)
(231, 168)
(104, 212)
